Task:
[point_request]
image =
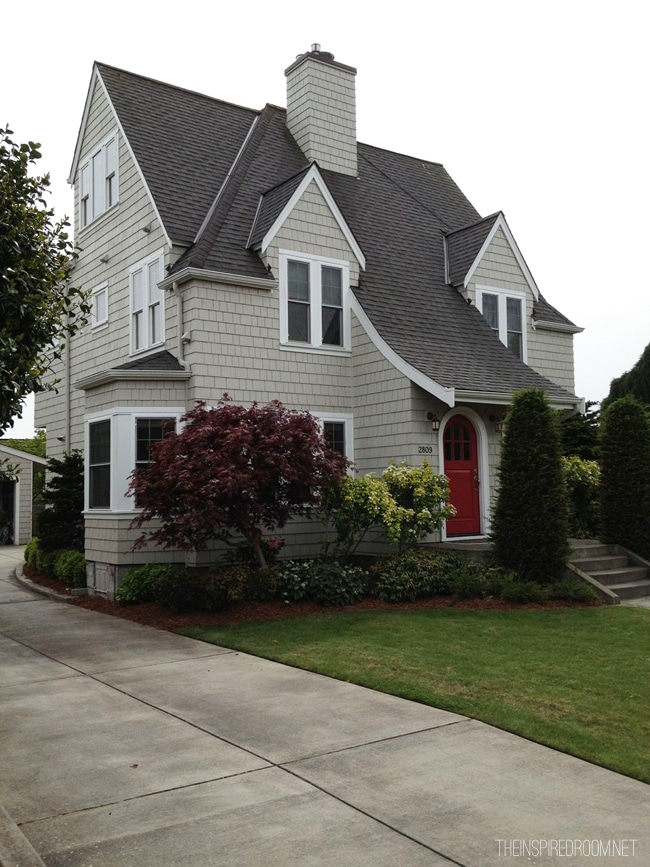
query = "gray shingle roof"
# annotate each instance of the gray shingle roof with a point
(399, 209)
(464, 245)
(157, 361)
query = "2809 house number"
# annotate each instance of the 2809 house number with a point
(425, 450)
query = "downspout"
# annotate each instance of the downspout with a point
(66, 363)
(180, 341)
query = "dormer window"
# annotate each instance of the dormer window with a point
(314, 312)
(504, 312)
(98, 188)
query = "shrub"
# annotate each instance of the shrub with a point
(137, 585)
(514, 589)
(582, 480)
(407, 503)
(249, 583)
(191, 590)
(335, 583)
(45, 562)
(31, 552)
(61, 523)
(293, 578)
(572, 591)
(476, 582)
(414, 574)
(70, 568)
(530, 527)
(625, 475)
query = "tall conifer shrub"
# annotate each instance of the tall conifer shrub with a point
(530, 527)
(625, 475)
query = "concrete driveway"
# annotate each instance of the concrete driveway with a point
(123, 745)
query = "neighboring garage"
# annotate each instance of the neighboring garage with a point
(16, 495)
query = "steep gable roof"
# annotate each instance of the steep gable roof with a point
(222, 174)
(184, 143)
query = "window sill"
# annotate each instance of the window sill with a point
(97, 220)
(339, 351)
(155, 347)
(100, 326)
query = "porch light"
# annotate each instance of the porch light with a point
(498, 423)
(435, 421)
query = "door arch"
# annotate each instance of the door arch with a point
(461, 466)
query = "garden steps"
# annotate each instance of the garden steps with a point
(619, 573)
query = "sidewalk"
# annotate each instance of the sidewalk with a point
(125, 746)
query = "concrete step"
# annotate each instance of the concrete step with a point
(631, 589)
(589, 548)
(601, 563)
(612, 577)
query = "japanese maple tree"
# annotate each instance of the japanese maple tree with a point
(233, 468)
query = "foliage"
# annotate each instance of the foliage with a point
(326, 581)
(61, 523)
(569, 590)
(45, 561)
(242, 554)
(37, 305)
(249, 582)
(137, 585)
(580, 433)
(625, 476)
(70, 568)
(521, 592)
(633, 383)
(233, 468)
(530, 526)
(191, 590)
(31, 552)
(407, 503)
(35, 445)
(415, 574)
(8, 472)
(582, 480)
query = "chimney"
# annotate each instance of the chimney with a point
(321, 110)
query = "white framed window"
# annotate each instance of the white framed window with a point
(98, 181)
(505, 312)
(118, 441)
(314, 302)
(147, 308)
(338, 431)
(99, 306)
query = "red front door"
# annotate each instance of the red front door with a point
(461, 468)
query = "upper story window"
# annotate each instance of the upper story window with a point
(314, 310)
(505, 314)
(98, 182)
(99, 306)
(147, 309)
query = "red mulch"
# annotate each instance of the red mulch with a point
(152, 614)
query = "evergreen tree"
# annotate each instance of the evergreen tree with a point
(635, 382)
(625, 475)
(580, 433)
(61, 523)
(530, 527)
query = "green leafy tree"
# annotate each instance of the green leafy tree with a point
(634, 382)
(625, 475)
(61, 523)
(580, 433)
(530, 527)
(37, 305)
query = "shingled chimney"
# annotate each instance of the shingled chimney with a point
(321, 110)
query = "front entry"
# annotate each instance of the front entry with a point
(461, 468)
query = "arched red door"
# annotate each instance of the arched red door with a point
(461, 468)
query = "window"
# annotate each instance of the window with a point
(334, 434)
(504, 313)
(147, 432)
(99, 306)
(147, 303)
(99, 465)
(313, 295)
(337, 432)
(98, 182)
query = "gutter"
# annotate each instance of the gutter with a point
(115, 375)
(174, 281)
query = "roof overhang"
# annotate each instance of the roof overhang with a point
(117, 375)
(177, 279)
(26, 456)
(562, 327)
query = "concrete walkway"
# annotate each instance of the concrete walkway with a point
(125, 746)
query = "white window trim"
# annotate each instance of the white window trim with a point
(142, 265)
(314, 262)
(98, 323)
(348, 420)
(86, 164)
(503, 295)
(123, 452)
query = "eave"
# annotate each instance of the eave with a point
(117, 375)
(186, 274)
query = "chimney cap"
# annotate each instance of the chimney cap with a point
(315, 53)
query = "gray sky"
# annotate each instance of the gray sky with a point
(536, 109)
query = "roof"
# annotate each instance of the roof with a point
(19, 453)
(157, 361)
(219, 200)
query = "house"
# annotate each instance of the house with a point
(269, 254)
(16, 494)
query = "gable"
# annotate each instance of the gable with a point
(499, 265)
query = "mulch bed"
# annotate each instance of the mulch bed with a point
(152, 614)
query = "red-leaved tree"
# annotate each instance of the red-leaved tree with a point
(233, 468)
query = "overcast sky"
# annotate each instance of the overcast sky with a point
(535, 109)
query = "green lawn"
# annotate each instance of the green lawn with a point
(574, 679)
